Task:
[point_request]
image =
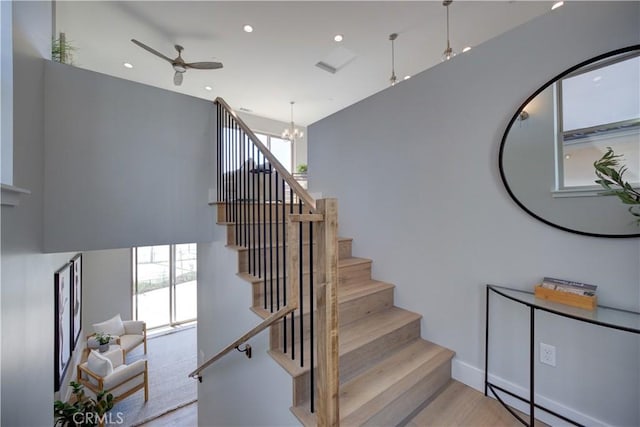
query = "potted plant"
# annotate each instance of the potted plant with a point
(610, 177)
(84, 411)
(62, 50)
(302, 168)
(103, 341)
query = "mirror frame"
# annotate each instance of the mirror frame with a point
(515, 117)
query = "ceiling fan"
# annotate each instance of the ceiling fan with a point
(178, 63)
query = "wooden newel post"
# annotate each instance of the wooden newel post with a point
(328, 382)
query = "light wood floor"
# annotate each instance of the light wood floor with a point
(187, 416)
(457, 405)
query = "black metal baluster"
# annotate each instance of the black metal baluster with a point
(284, 263)
(218, 154)
(301, 293)
(236, 180)
(311, 327)
(264, 229)
(254, 216)
(249, 205)
(277, 244)
(243, 191)
(227, 184)
(245, 196)
(293, 315)
(270, 238)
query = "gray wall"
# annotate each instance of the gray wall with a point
(235, 391)
(27, 292)
(107, 286)
(126, 164)
(425, 201)
(6, 88)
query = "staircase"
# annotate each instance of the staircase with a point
(387, 371)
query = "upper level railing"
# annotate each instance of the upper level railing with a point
(288, 246)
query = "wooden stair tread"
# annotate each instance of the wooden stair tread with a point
(385, 381)
(353, 336)
(374, 389)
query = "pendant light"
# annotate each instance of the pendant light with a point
(291, 133)
(393, 79)
(448, 52)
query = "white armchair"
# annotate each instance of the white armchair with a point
(107, 372)
(128, 333)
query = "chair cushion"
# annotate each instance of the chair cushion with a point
(99, 364)
(128, 342)
(113, 326)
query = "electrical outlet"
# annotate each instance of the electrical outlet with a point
(547, 354)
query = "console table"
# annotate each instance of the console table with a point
(607, 317)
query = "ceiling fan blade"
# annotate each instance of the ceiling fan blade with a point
(155, 52)
(177, 78)
(204, 65)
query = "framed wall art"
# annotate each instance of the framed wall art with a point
(76, 299)
(63, 316)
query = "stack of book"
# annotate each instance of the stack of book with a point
(567, 292)
(569, 286)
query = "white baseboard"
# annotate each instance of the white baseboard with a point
(474, 378)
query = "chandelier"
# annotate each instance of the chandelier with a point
(448, 52)
(292, 133)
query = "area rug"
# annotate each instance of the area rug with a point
(171, 357)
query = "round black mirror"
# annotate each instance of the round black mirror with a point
(551, 142)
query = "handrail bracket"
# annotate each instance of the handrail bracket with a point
(246, 351)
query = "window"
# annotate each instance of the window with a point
(281, 148)
(164, 284)
(598, 108)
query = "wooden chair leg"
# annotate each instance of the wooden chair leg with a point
(146, 382)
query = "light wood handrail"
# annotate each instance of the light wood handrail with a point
(309, 201)
(246, 337)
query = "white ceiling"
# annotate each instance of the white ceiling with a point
(265, 70)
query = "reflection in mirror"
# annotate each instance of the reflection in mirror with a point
(548, 150)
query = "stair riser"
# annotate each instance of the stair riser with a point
(270, 232)
(258, 211)
(361, 358)
(276, 256)
(348, 275)
(347, 312)
(264, 259)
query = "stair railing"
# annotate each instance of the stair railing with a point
(289, 243)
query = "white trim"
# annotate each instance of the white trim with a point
(11, 195)
(474, 378)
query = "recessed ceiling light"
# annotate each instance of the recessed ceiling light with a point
(466, 49)
(596, 79)
(338, 37)
(407, 77)
(208, 88)
(127, 65)
(248, 28)
(557, 5)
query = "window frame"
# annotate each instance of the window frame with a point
(561, 190)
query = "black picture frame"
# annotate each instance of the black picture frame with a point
(76, 299)
(62, 322)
